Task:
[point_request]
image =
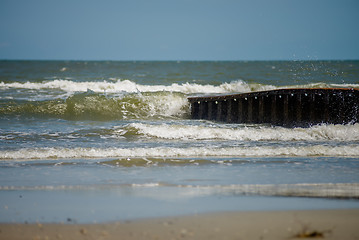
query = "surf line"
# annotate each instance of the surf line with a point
(285, 107)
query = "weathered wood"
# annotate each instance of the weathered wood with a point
(287, 107)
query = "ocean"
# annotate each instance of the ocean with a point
(99, 141)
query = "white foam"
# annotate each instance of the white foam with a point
(247, 151)
(165, 105)
(262, 133)
(131, 87)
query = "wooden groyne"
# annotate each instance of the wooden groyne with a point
(286, 107)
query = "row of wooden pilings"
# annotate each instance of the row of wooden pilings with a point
(286, 107)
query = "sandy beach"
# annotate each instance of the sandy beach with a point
(324, 224)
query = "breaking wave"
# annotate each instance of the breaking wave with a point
(114, 100)
(132, 87)
(350, 150)
(95, 106)
(243, 133)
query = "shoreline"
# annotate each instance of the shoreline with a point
(298, 224)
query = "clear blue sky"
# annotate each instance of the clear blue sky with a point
(179, 29)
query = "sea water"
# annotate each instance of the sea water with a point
(96, 141)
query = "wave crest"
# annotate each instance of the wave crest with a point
(240, 133)
(95, 106)
(247, 151)
(129, 86)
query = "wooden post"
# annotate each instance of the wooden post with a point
(261, 113)
(286, 113)
(274, 109)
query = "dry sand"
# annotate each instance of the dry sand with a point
(324, 224)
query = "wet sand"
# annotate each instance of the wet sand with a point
(325, 224)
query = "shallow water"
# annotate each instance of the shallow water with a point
(104, 141)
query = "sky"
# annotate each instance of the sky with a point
(179, 29)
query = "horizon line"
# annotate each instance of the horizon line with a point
(183, 60)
